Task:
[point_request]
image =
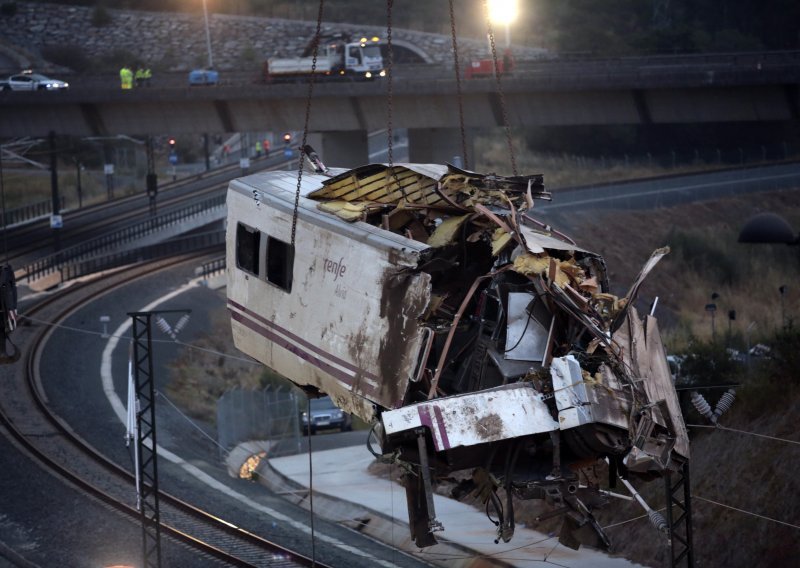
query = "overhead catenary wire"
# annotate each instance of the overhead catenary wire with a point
(127, 336)
(190, 421)
(752, 514)
(720, 427)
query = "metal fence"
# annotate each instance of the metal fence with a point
(272, 415)
(107, 242)
(151, 252)
(212, 267)
(29, 212)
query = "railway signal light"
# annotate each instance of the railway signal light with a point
(287, 138)
(172, 143)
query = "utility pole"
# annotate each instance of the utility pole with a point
(205, 149)
(55, 217)
(152, 178)
(146, 445)
(146, 439)
(78, 167)
(679, 518)
(108, 169)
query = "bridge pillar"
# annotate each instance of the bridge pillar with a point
(439, 146)
(342, 149)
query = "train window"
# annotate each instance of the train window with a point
(280, 262)
(248, 241)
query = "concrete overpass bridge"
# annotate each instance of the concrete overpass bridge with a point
(763, 87)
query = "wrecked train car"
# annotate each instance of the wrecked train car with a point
(426, 300)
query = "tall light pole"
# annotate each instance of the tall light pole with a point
(208, 36)
(503, 12)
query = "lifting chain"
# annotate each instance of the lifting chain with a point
(389, 78)
(458, 86)
(389, 100)
(302, 148)
(500, 88)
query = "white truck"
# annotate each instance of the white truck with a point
(336, 59)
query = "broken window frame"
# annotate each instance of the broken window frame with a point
(253, 252)
(279, 263)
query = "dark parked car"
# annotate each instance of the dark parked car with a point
(325, 414)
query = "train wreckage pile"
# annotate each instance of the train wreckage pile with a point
(514, 302)
(474, 338)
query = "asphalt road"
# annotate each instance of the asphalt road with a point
(71, 375)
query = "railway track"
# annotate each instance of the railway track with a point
(25, 414)
(31, 241)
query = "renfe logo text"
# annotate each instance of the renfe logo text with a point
(336, 268)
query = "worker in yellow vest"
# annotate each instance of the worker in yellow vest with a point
(147, 76)
(139, 77)
(126, 77)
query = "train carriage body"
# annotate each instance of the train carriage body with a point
(424, 300)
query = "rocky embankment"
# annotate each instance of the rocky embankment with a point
(177, 41)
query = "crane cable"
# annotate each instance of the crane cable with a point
(389, 100)
(3, 196)
(500, 94)
(389, 77)
(302, 152)
(300, 164)
(464, 154)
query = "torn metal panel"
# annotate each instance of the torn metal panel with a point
(572, 398)
(502, 413)
(633, 292)
(660, 386)
(537, 241)
(526, 335)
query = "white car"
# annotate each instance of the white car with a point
(32, 82)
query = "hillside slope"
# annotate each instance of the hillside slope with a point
(751, 473)
(705, 258)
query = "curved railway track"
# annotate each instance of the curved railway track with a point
(25, 413)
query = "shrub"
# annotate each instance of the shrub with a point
(708, 363)
(705, 257)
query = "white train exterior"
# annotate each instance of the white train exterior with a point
(424, 300)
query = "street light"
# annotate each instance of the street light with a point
(208, 36)
(712, 310)
(503, 12)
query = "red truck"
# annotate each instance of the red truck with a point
(485, 67)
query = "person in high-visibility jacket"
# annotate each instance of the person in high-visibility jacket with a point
(139, 77)
(147, 76)
(258, 148)
(126, 77)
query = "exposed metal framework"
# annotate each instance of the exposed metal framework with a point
(146, 438)
(679, 518)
